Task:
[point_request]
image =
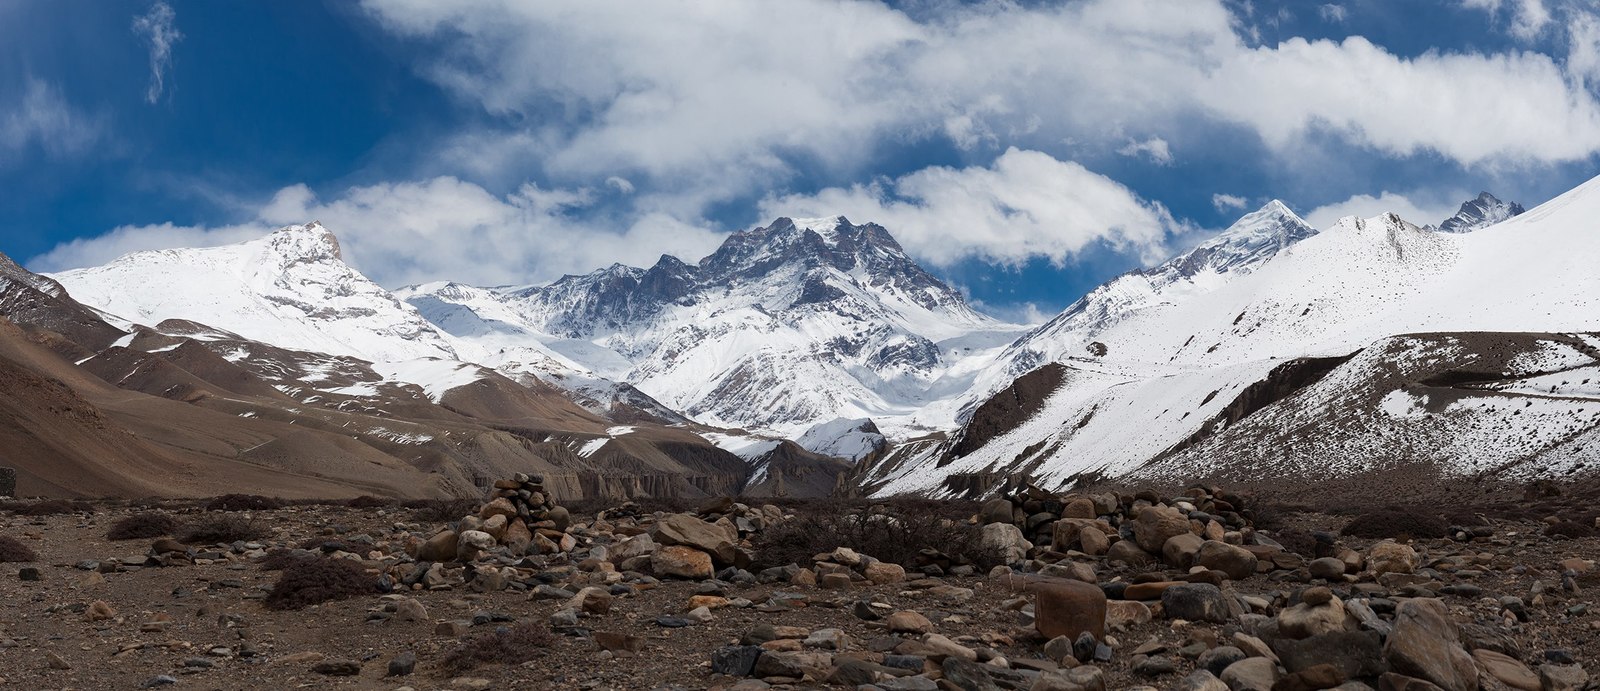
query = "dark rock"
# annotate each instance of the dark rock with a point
(1195, 602)
(969, 676)
(338, 668)
(1354, 653)
(1217, 659)
(1155, 666)
(402, 664)
(735, 660)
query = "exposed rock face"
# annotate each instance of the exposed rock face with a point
(1481, 212)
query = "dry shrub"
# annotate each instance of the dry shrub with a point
(142, 526)
(243, 502)
(280, 559)
(509, 645)
(1572, 529)
(367, 501)
(1296, 540)
(51, 507)
(440, 510)
(309, 581)
(12, 550)
(897, 532)
(1396, 522)
(221, 530)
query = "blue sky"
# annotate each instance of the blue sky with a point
(1025, 151)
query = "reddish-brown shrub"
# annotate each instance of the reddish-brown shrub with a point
(52, 507)
(243, 502)
(367, 501)
(1572, 529)
(1396, 521)
(508, 645)
(12, 550)
(440, 510)
(211, 531)
(142, 526)
(309, 581)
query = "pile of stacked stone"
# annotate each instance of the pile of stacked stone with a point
(518, 516)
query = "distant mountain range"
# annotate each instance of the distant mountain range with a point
(815, 356)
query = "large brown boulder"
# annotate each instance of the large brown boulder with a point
(1064, 607)
(1237, 562)
(1157, 524)
(681, 562)
(685, 529)
(1426, 644)
(440, 547)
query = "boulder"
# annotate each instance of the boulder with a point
(1127, 552)
(1157, 524)
(881, 573)
(793, 664)
(681, 562)
(1251, 674)
(996, 511)
(1237, 562)
(1356, 654)
(688, 530)
(1179, 550)
(1082, 507)
(1391, 557)
(1094, 542)
(472, 542)
(1425, 644)
(1507, 670)
(1068, 608)
(1195, 602)
(1065, 532)
(1306, 619)
(440, 547)
(1005, 541)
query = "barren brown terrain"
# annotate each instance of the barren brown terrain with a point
(93, 613)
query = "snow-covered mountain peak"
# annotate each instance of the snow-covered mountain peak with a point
(1485, 210)
(290, 288)
(1253, 239)
(309, 242)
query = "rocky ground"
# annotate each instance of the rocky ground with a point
(1193, 590)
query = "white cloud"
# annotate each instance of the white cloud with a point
(670, 94)
(159, 28)
(1528, 17)
(1026, 205)
(437, 229)
(1367, 206)
(621, 184)
(1226, 202)
(1583, 48)
(1332, 13)
(1154, 148)
(43, 117)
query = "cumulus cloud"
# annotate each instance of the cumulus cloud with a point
(437, 229)
(159, 29)
(1427, 213)
(1227, 202)
(1154, 148)
(43, 118)
(1027, 204)
(664, 92)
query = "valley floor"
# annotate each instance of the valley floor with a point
(204, 625)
